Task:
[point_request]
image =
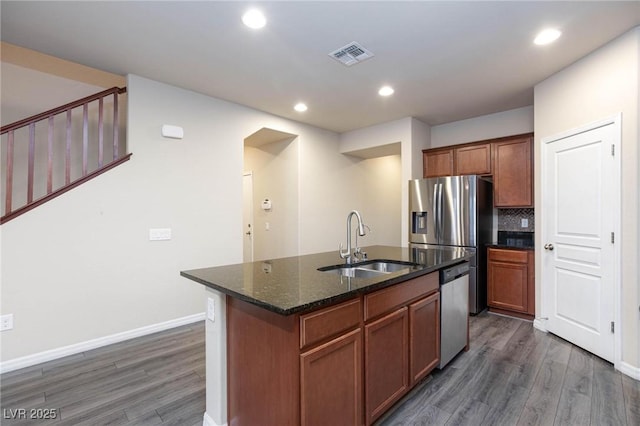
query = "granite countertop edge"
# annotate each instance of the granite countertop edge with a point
(370, 285)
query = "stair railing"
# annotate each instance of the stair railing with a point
(9, 212)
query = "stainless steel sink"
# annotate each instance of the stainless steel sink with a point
(370, 269)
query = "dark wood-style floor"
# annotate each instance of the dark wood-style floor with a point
(516, 375)
(152, 380)
(511, 375)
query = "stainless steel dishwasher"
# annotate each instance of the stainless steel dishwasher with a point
(454, 311)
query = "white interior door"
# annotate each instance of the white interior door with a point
(247, 217)
(580, 210)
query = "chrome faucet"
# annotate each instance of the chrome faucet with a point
(346, 254)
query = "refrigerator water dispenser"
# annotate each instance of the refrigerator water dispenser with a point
(418, 222)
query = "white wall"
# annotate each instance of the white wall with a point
(380, 186)
(507, 123)
(598, 86)
(26, 92)
(275, 176)
(412, 135)
(97, 272)
(99, 275)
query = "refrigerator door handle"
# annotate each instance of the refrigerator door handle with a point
(435, 211)
(440, 219)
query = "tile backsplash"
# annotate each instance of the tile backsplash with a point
(511, 220)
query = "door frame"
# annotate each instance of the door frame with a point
(540, 322)
(245, 175)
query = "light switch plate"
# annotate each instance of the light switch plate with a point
(524, 222)
(159, 234)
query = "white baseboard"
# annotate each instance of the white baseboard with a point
(540, 325)
(629, 370)
(50, 355)
(208, 421)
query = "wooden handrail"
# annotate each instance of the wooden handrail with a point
(7, 217)
(87, 171)
(63, 108)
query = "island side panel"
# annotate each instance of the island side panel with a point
(216, 361)
(263, 366)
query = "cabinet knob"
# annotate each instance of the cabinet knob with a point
(548, 247)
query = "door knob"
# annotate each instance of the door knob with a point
(248, 232)
(548, 247)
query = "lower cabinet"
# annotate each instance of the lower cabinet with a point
(345, 364)
(402, 340)
(386, 362)
(424, 337)
(331, 382)
(510, 282)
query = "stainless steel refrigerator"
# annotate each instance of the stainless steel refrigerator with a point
(455, 211)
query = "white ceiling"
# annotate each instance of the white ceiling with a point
(446, 60)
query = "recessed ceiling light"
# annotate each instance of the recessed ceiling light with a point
(547, 36)
(300, 107)
(385, 91)
(254, 19)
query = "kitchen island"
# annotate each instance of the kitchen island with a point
(290, 344)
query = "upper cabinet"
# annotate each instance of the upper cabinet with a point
(512, 173)
(438, 162)
(473, 159)
(508, 160)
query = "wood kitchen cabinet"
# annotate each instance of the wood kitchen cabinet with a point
(402, 340)
(344, 364)
(510, 282)
(331, 382)
(424, 337)
(331, 373)
(513, 172)
(386, 362)
(473, 159)
(438, 162)
(509, 160)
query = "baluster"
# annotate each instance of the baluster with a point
(9, 182)
(50, 157)
(85, 137)
(32, 150)
(100, 132)
(116, 125)
(67, 158)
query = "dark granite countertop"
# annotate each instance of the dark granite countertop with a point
(514, 240)
(294, 284)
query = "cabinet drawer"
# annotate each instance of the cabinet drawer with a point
(328, 322)
(505, 255)
(382, 301)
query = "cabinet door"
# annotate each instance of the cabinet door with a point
(424, 337)
(473, 160)
(512, 173)
(386, 362)
(438, 163)
(331, 382)
(507, 286)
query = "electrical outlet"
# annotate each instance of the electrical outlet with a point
(524, 222)
(211, 309)
(6, 322)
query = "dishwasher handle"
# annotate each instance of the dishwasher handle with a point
(451, 273)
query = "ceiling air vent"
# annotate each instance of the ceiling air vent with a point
(351, 54)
